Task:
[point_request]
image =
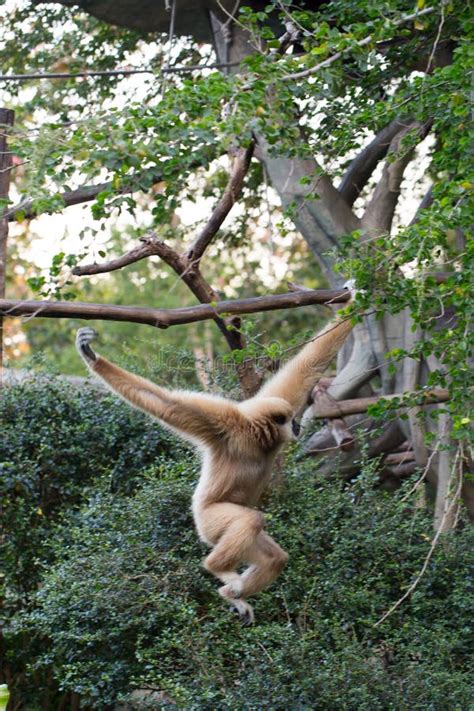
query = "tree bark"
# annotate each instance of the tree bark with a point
(7, 117)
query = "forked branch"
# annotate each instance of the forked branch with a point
(359, 171)
(239, 171)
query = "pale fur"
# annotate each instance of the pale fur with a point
(239, 442)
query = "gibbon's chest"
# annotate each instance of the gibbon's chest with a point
(234, 479)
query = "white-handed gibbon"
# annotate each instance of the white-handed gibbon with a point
(239, 442)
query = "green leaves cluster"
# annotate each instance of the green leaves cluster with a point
(123, 602)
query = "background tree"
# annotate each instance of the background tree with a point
(340, 104)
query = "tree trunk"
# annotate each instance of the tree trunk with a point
(323, 215)
(6, 121)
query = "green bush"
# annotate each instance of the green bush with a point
(104, 591)
(58, 440)
(127, 605)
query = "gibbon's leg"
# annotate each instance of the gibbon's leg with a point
(237, 529)
(267, 560)
(189, 413)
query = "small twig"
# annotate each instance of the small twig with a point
(361, 43)
(266, 652)
(426, 469)
(436, 42)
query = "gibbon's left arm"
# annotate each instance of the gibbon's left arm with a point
(295, 380)
(191, 414)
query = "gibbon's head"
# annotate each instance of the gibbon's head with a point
(271, 420)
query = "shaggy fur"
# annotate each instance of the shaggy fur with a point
(239, 442)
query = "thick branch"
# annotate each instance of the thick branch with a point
(225, 204)
(381, 208)
(162, 318)
(364, 164)
(360, 404)
(318, 210)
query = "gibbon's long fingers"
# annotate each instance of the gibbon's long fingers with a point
(294, 381)
(84, 337)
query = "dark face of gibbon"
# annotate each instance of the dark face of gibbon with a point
(271, 421)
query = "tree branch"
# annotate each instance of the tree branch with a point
(317, 209)
(342, 408)
(225, 204)
(361, 43)
(381, 208)
(424, 204)
(186, 266)
(83, 194)
(177, 69)
(163, 318)
(359, 171)
(151, 246)
(70, 197)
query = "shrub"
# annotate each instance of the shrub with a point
(58, 440)
(104, 592)
(128, 606)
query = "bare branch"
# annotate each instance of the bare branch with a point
(225, 204)
(162, 318)
(151, 245)
(380, 210)
(424, 204)
(342, 408)
(364, 164)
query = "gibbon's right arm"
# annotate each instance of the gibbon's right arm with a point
(295, 380)
(191, 414)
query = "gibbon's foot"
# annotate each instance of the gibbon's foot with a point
(233, 588)
(242, 608)
(84, 336)
(244, 611)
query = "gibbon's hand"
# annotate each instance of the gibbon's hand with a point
(350, 286)
(83, 337)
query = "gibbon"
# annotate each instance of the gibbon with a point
(238, 442)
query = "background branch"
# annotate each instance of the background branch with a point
(239, 171)
(359, 171)
(381, 208)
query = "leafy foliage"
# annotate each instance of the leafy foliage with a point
(123, 602)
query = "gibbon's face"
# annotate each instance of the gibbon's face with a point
(273, 415)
